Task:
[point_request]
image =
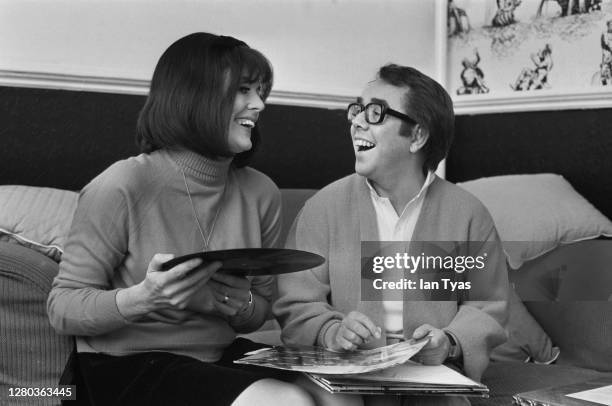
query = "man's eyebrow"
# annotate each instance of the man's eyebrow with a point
(374, 99)
(381, 101)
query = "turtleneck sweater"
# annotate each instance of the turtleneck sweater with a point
(139, 207)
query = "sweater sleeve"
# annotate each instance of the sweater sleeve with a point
(265, 286)
(271, 222)
(81, 301)
(303, 309)
(479, 324)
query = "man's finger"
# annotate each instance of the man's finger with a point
(367, 323)
(422, 331)
(358, 329)
(351, 336)
(345, 344)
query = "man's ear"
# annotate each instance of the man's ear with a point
(418, 138)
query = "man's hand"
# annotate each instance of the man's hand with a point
(354, 330)
(436, 350)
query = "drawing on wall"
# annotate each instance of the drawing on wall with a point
(528, 46)
(458, 21)
(472, 77)
(505, 12)
(604, 75)
(535, 77)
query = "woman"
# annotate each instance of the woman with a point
(145, 336)
(401, 128)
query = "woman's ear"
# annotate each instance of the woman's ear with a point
(419, 138)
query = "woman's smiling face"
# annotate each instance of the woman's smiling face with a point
(245, 113)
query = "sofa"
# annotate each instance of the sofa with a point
(33, 355)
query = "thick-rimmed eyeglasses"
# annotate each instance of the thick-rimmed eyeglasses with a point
(375, 113)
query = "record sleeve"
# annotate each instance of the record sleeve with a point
(323, 361)
(409, 378)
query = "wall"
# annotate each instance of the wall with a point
(306, 143)
(62, 139)
(323, 51)
(320, 49)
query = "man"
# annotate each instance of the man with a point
(401, 128)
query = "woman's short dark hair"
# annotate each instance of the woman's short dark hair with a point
(430, 105)
(192, 95)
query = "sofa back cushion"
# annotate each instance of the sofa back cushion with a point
(31, 353)
(292, 200)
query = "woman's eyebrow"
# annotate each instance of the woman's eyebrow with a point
(250, 79)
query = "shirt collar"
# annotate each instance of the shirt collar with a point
(428, 180)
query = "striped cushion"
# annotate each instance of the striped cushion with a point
(35, 217)
(31, 352)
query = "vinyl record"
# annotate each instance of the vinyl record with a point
(255, 261)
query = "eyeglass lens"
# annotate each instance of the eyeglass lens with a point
(373, 112)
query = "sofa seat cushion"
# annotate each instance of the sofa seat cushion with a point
(506, 379)
(583, 330)
(526, 339)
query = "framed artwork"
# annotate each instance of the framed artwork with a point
(521, 55)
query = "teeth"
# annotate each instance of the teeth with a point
(364, 144)
(245, 122)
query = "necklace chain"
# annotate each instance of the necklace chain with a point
(206, 240)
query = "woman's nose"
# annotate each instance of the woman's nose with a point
(256, 102)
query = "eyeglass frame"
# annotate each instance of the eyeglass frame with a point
(384, 111)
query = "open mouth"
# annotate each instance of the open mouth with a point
(363, 145)
(245, 122)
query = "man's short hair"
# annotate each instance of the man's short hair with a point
(192, 95)
(429, 104)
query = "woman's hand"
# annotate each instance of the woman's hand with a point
(231, 293)
(355, 329)
(436, 350)
(165, 289)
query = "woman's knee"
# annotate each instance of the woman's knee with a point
(274, 392)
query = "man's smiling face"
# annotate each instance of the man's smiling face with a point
(380, 150)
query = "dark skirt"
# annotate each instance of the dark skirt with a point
(161, 378)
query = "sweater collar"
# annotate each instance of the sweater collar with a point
(206, 169)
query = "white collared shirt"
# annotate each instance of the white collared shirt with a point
(394, 227)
